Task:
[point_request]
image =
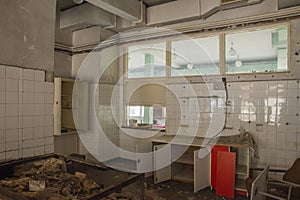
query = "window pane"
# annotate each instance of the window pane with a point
(257, 51)
(147, 60)
(195, 57)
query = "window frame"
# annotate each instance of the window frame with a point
(222, 51)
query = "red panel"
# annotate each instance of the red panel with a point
(241, 192)
(214, 162)
(225, 174)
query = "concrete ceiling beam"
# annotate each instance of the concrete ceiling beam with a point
(85, 15)
(127, 9)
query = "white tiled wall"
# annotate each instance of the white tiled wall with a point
(269, 110)
(26, 113)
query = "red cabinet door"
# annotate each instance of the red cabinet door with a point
(225, 179)
(214, 162)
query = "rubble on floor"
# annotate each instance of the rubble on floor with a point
(48, 179)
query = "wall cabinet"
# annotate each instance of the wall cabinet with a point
(70, 103)
(187, 167)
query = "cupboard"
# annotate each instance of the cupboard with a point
(187, 167)
(70, 106)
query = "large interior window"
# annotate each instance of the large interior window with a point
(257, 51)
(198, 56)
(147, 60)
(149, 116)
(244, 51)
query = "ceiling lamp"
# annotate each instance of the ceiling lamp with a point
(190, 66)
(238, 62)
(232, 51)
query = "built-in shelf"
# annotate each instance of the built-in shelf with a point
(67, 111)
(241, 170)
(186, 159)
(185, 175)
(240, 184)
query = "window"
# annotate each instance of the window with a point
(147, 60)
(195, 57)
(257, 51)
(154, 116)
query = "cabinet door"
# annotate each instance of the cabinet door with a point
(214, 162)
(162, 157)
(225, 174)
(57, 106)
(80, 104)
(201, 171)
(143, 160)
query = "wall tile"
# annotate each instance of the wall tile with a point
(2, 84)
(38, 109)
(38, 142)
(11, 97)
(12, 154)
(2, 71)
(49, 87)
(27, 144)
(12, 85)
(12, 135)
(11, 123)
(27, 109)
(13, 72)
(49, 98)
(10, 146)
(28, 74)
(28, 152)
(28, 86)
(48, 120)
(28, 97)
(39, 98)
(39, 75)
(28, 133)
(39, 87)
(48, 131)
(39, 150)
(11, 110)
(39, 121)
(28, 121)
(2, 96)
(38, 132)
(49, 149)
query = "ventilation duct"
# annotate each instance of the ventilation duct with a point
(282, 4)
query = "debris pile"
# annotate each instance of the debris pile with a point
(48, 179)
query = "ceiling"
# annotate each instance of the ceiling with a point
(66, 4)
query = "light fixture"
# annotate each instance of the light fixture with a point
(232, 51)
(238, 62)
(78, 1)
(190, 66)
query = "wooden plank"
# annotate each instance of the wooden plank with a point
(214, 162)
(225, 180)
(201, 171)
(162, 158)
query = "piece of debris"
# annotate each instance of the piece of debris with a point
(36, 186)
(48, 179)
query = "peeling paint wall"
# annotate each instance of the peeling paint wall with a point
(27, 33)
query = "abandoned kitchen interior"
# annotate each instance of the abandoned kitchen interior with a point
(150, 99)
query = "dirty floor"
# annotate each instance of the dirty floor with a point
(170, 190)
